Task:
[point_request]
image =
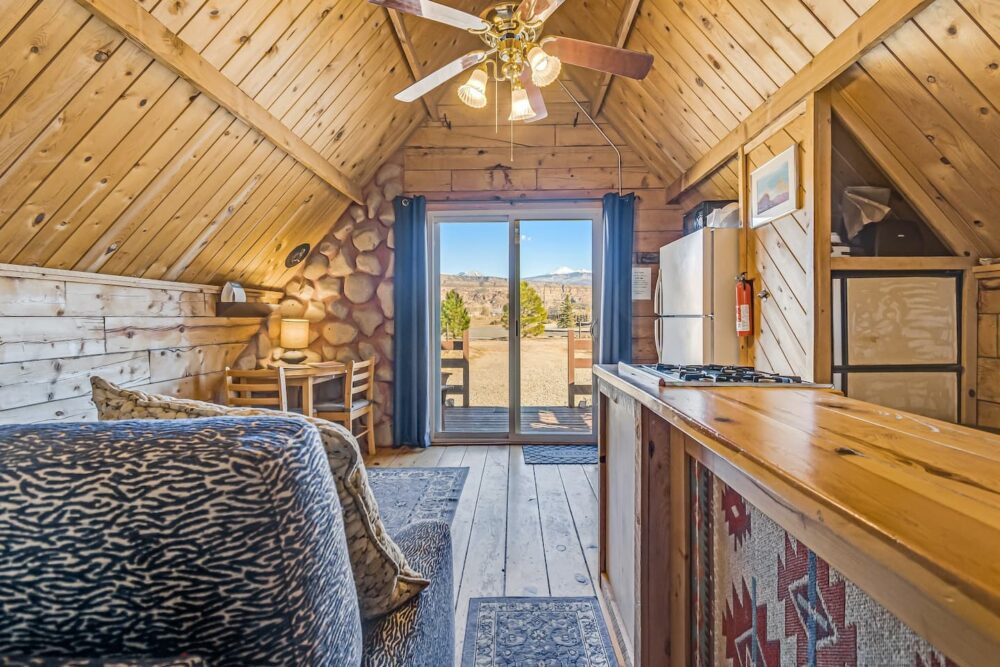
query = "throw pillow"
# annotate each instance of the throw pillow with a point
(383, 578)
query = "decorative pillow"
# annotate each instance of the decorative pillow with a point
(383, 578)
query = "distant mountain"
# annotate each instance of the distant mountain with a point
(565, 276)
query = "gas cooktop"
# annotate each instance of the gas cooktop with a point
(714, 374)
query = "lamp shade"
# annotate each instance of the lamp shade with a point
(544, 67)
(473, 93)
(294, 334)
(520, 107)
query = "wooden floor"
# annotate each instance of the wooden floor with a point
(519, 530)
(542, 420)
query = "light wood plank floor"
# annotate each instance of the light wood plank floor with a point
(519, 530)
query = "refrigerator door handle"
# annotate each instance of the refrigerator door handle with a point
(659, 291)
(687, 317)
(657, 337)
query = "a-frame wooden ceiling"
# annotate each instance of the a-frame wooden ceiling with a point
(720, 64)
(200, 140)
(112, 162)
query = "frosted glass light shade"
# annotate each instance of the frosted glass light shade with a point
(544, 68)
(473, 92)
(294, 334)
(520, 107)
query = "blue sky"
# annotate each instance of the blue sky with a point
(547, 246)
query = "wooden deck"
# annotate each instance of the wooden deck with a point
(542, 420)
(519, 530)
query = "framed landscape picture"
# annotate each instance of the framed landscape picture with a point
(774, 187)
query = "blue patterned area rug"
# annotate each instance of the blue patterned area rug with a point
(537, 455)
(406, 495)
(512, 632)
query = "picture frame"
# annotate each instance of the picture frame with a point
(774, 187)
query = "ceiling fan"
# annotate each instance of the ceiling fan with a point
(512, 32)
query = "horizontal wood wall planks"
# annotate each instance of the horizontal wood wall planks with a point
(472, 166)
(58, 329)
(156, 333)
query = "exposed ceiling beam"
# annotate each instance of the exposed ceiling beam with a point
(865, 33)
(410, 55)
(621, 36)
(170, 50)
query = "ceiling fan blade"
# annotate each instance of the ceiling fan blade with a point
(534, 96)
(435, 12)
(633, 64)
(536, 11)
(437, 77)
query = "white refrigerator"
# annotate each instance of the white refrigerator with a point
(695, 301)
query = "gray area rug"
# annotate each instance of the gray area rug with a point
(536, 631)
(535, 455)
(406, 495)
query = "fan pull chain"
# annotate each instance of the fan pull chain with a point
(496, 95)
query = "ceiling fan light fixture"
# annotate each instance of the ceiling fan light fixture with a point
(520, 107)
(473, 92)
(544, 67)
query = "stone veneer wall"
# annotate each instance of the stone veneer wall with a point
(345, 290)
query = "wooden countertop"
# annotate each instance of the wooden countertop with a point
(907, 507)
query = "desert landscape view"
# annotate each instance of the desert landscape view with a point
(544, 339)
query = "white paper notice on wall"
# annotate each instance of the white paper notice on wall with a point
(642, 283)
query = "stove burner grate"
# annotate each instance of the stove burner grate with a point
(724, 374)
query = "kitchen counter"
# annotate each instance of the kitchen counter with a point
(906, 508)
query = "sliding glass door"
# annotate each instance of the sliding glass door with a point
(555, 345)
(515, 297)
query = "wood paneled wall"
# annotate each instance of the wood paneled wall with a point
(59, 328)
(781, 264)
(988, 382)
(111, 163)
(561, 156)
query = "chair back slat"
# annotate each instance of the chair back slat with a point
(359, 382)
(244, 388)
(359, 385)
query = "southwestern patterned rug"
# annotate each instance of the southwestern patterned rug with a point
(535, 455)
(406, 495)
(536, 631)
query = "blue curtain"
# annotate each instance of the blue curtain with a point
(411, 343)
(616, 284)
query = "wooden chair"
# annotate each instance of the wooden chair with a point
(460, 363)
(359, 401)
(573, 362)
(264, 388)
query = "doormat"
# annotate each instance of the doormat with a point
(406, 495)
(536, 631)
(540, 455)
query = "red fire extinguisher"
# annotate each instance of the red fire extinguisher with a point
(744, 307)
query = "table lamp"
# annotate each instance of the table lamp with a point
(294, 338)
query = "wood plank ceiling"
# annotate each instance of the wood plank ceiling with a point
(719, 60)
(110, 162)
